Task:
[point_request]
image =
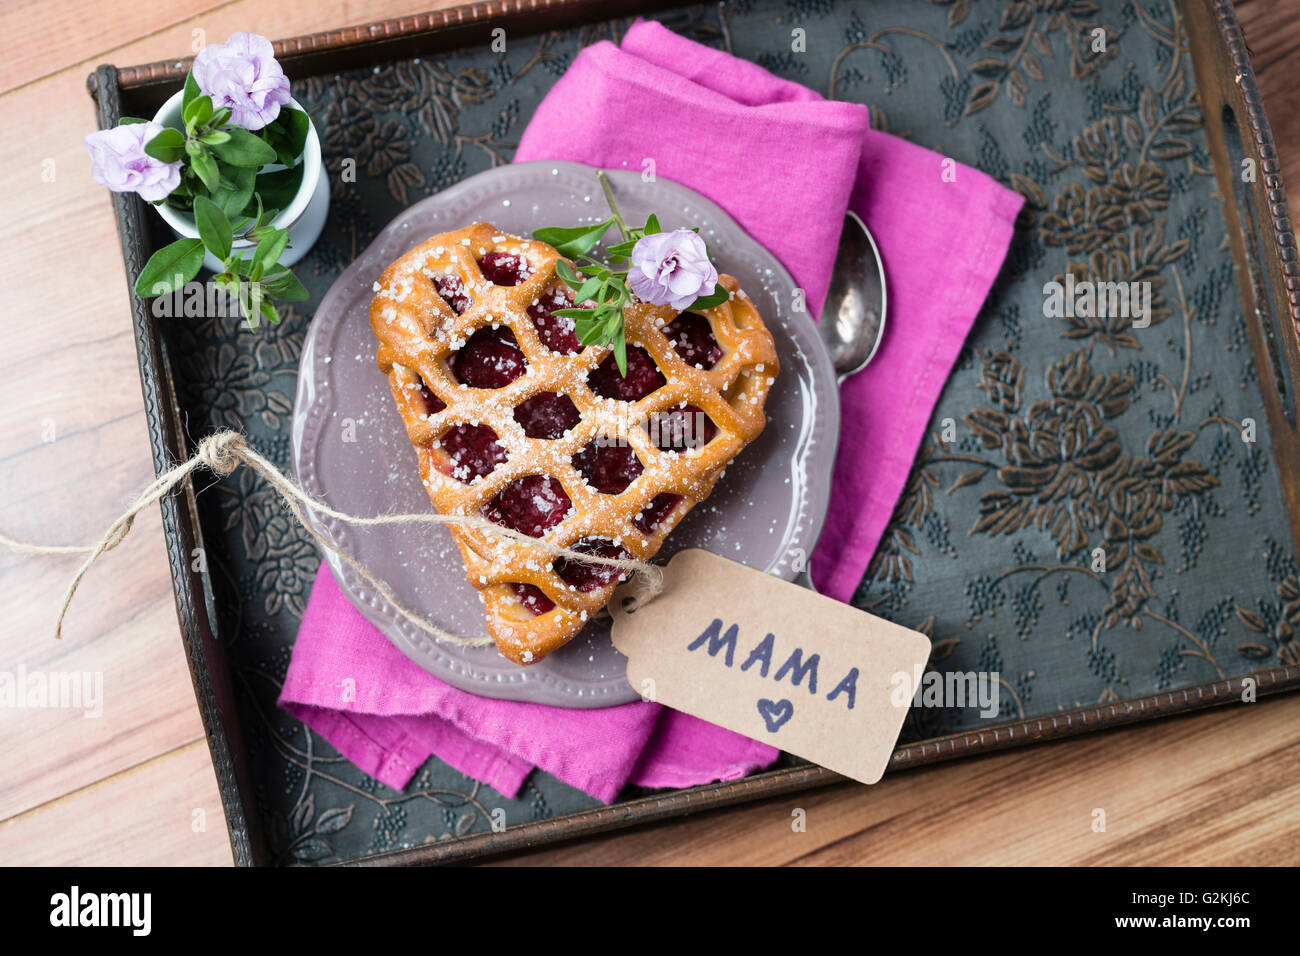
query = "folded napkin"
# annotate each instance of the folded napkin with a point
(786, 164)
(387, 715)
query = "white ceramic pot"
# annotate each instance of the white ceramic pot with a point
(304, 217)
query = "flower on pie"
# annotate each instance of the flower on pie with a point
(671, 268)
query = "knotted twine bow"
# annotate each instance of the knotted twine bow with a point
(224, 451)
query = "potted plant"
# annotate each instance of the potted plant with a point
(232, 163)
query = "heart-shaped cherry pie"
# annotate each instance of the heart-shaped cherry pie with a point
(515, 421)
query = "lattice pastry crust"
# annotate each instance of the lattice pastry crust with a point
(426, 346)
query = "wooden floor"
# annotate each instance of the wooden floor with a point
(135, 786)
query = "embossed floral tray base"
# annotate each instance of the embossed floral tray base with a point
(1058, 443)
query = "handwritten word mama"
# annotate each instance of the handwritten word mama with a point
(714, 640)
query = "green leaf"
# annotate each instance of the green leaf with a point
(167, 147)
(587, 290)
(615, 291)
(227, 283)
(296, 125)
(268, 250)
(214, 227)
(130, 121)
(590, 335)
(197, 112)
(280, 283)
(264, 215)
(278, 188)
(622, 249)
(573, 241)
(252, 302)
(574, 313)
(652, 225)
(235, 191)
(170, 268)
(565, 272)
(192, 90)
(215, 138)
(620, 351)
(205, 167)
(244, 149)
(282, 154)
(219, 117)
(718, 296)
(278, 140)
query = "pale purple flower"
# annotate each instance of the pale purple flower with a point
(242, 73)
(671, 268)
(118, 161)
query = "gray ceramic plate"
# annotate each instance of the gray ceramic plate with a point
(351, 450)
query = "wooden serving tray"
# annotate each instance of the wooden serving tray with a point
(1132, 163)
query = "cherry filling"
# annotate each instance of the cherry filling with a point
(490, 359)
(557, 332)
(473, 449)
(453, 293)
(655, 512)
(504, 268)
(608, 468)
(531, 505)
(432, 403)
(588, 577)
(676, 429)
(692, 339)
(533, 598)
(642, 378)
(547, 415)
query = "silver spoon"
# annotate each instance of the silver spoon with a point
(853, 318)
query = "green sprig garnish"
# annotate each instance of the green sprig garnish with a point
(599, 282)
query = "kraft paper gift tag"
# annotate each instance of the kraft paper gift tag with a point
(773, 661)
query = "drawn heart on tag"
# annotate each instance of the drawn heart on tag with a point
(775, 713)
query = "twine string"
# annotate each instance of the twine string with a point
(224, 451)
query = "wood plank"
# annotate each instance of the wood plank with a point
(68, 33)
(1230, 777)
(164, 812)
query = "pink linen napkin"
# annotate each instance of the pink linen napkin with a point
(387, 715)
(786, 164)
